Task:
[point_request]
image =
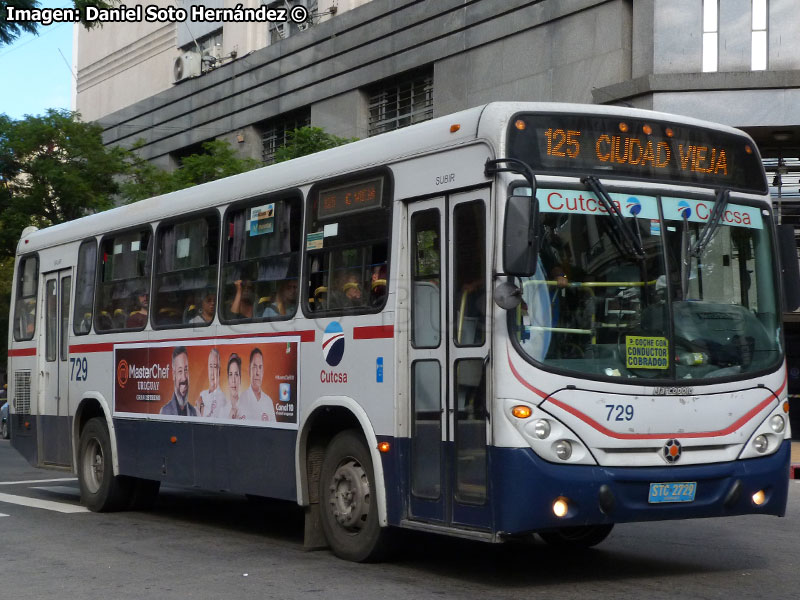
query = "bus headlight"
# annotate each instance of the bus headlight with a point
(542, 429)
(777, 423)
(563, 449)
(760, 443)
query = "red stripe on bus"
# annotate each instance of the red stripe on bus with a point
(655, 436)
(520, 379)
(22, 352)
(308, 335)
(648, 436)
(374, 332)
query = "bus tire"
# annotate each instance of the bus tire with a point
(101, 490)
(348, 508)
(584, 536)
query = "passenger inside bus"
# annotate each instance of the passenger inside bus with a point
(350, 292)
(242, 305)
(285, 300)
(138, 317)
(378, 291)
(208, 307)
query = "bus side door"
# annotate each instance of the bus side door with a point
(55, 447)
(448, 358)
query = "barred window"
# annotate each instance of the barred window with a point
(400, 102)
(276, 131)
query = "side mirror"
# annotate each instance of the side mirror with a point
(790, 271)
(520, 235)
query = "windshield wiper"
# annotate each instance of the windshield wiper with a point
(631, 242)
(710, 228)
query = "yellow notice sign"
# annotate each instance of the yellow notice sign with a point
(646, 352)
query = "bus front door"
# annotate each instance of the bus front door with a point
(448, 361)
(54, 423)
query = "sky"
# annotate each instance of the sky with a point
(33, 74)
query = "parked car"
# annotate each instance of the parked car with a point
(5, 426)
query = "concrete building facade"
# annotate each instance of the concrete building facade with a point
(358, 67)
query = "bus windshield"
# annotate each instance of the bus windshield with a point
(674, 312)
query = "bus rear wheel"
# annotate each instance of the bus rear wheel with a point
(101, 490)
(584, 536)
(349, 511)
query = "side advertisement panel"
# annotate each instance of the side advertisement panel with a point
(252, 381)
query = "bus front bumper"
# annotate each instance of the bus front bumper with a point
(526, 486)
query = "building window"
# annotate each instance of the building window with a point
(281, 30)
(710, 35)
(758, 60)
(276, 131)
(402, 101)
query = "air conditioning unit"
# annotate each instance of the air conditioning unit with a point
(186, 65)
(303, 26)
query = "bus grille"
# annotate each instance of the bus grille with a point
(22, 392)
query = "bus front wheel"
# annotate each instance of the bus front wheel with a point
(101, 490)
(584, 536)
(349, 512)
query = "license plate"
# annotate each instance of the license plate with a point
(674, 491)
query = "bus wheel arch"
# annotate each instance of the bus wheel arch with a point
(327, 419)
(93, 406)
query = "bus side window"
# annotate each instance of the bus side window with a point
(123, 296)
(347, 247)
(25, 308)
(261, 260)
(185, 282)
(84, 293)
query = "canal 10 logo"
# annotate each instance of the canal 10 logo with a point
(333, 344)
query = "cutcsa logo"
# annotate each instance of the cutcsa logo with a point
(684, 209)
(333, 344)
(634, 206)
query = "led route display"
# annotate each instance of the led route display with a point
(635, 148)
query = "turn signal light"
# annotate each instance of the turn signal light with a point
(759, 498)
(384, 447)
(521, 411)
(454, 127)
(786, 407)
(173, 439)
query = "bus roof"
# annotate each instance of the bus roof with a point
(481, 122)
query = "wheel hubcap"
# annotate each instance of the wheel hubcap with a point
(93, 466)
(349, 495)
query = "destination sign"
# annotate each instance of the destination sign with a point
(350, 198)
(635, 148)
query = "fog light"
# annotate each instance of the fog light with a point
(560, 507)
(759, 497)
(542, 429)
(563, 449)
(760, 444)
(777, 423)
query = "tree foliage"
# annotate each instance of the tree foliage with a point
(308, 140)
(218, 159)
(10, 31)
(53, 168)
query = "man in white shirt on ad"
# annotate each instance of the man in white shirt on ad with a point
(254, 404)
(213, 403)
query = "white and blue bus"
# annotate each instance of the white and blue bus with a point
(521, 318)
